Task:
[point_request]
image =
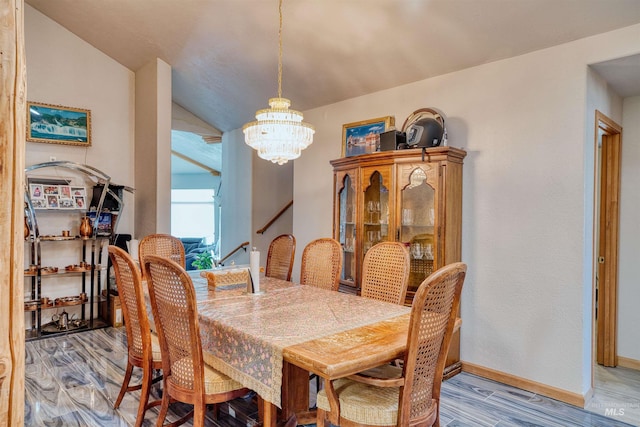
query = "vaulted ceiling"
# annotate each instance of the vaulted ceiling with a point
(223, 53)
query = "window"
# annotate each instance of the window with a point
(193, 214)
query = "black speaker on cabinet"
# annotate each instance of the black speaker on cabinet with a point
(391, 140)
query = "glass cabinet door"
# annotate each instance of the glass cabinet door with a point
(375, 212)
(417, 224)
(347, 229)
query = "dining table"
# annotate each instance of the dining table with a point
(270, 341)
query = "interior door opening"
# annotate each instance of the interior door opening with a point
(608, 140)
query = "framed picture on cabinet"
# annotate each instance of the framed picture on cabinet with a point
(55, 124)
(364, 137)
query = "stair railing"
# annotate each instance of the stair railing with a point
(275, 217)
(242, 245)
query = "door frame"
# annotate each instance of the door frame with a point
(606, 229)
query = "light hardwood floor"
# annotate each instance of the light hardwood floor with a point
(73, 380)
(616, 394)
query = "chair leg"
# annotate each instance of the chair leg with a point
(164, 408)
(198, 415)
(125, 384)
(321, 418)
(215, 411)
(144, 396)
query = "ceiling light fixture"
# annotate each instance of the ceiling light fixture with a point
(278, 134)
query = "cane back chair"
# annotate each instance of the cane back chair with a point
(322, 264)
(409, 395)
(186, 377)
(280, 257)
(164, 245)
(385, 272)
(143, 348)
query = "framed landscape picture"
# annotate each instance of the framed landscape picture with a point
(55, 124)
(364, 137)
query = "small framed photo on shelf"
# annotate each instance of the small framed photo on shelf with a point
(51, 190)
(65, 192)
(52, 201)
(78, 191)
(55, 124)
(66, 203)
(364, 137)
(39, 203)
(36, 191)
(80, 202)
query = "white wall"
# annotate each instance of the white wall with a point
(236, 193)
(253, 190)
(63, 69)
(153, 148)
(272, 190)
(526, 180)
(629, 273)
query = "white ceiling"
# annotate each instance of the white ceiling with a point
(192, 146)
(223, 53)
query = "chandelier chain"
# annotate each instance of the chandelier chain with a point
(280, 51)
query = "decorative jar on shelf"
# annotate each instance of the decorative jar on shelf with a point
(86, 230)
(27, 230)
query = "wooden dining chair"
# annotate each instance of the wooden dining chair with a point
(322, 264)
(164, 245)
(186, 377)
(238, 276)
(280, 257)
(385, 272)
(143, 347)
(321, 267)
(409, 395)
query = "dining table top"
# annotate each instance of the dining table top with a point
(352, 351)
(247, 336)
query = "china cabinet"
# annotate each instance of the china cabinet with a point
(410, 196)
(66, 266)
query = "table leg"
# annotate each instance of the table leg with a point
(295, 400)
(295, 395)
(267, 412)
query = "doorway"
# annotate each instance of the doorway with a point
(608, 142)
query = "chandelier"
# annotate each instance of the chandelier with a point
(278, 134)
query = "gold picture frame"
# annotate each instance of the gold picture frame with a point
(56, 124)
(363, 137)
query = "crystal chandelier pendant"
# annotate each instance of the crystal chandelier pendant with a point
(278, 134)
